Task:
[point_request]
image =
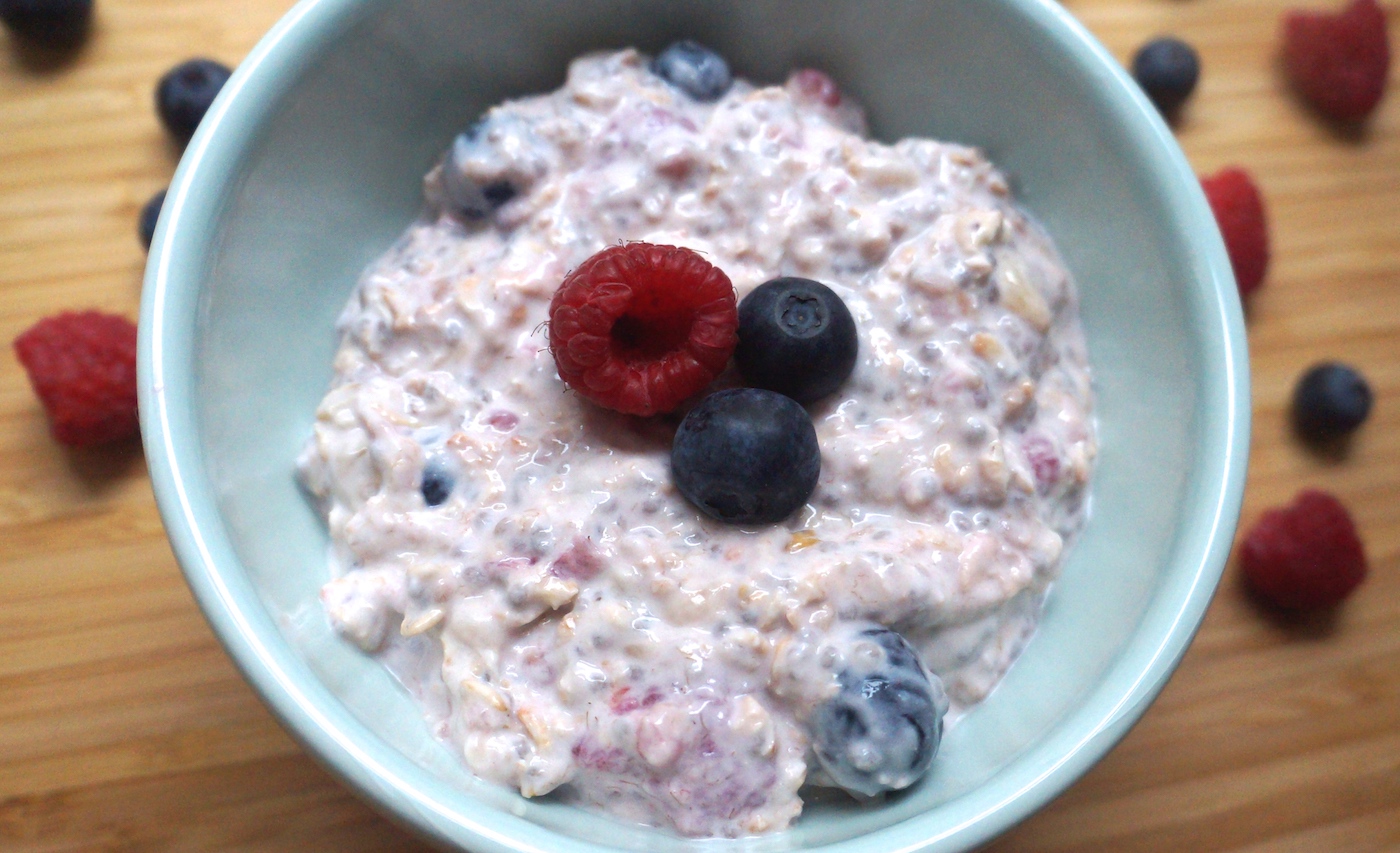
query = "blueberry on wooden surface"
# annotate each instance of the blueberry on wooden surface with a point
(150, 215)
(186, 92)
(1167, 69)
(49, 23)
(1330, 400)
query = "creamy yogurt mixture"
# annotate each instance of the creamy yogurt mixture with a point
(569, 622)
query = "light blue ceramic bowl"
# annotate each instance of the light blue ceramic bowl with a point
(308, 167)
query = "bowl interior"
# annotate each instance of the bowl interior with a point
(310, 166)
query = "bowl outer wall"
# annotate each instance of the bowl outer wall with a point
(174, 310)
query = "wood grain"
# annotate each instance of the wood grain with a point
(123, 727)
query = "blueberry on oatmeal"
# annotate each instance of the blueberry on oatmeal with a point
(498, 193)
(746, 456)
(467, 197)
(694, 69)
(881, 731)
(437, 483)
(796, 337)
(489, 164)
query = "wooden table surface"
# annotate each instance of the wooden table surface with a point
(123, 727)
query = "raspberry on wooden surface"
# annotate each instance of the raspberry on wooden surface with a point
(83, 368)
(1304, 556)
(1239, 211)
(1339, 61)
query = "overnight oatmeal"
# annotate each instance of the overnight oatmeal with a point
(523, 558)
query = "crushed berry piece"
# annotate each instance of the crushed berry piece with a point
(624, 701)
(580, 562)
(503, 421)
(1045, 463)
(592, 755)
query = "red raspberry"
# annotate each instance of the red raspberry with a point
(1304, 556)
(813, 85)
(1338, 62)
(639, 328)
(1239, 211)
(83, 367)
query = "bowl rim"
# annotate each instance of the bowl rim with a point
(407, 792)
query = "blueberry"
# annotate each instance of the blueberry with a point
(498, 193)
(437, 483)
(746, 456)
(50, 23)
(881, 732)
(1330, 401)
(694, 69)
(1167, 69)
(468, 198)
(150, 214)
(185, 92)
(796, 337)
